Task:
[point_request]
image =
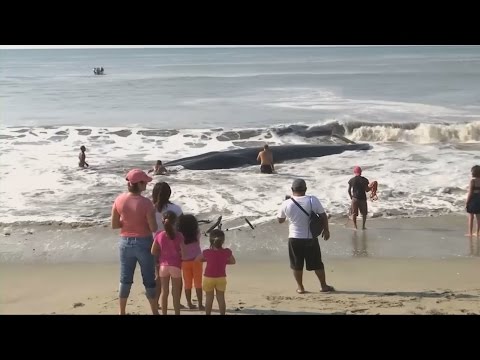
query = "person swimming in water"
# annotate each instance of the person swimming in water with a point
(159, 169)
(81, 157)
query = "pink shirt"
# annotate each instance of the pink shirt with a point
(216, 262)
(192, 250)
(170, 254)
(133, 210)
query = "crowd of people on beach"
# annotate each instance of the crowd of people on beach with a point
(166, 242)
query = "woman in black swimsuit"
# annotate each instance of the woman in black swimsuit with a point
(472, 203)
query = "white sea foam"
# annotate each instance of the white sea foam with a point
(40, 180)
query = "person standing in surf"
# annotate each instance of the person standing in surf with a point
(82, 156)
(266, 160)
(472, 203)
(358, 186)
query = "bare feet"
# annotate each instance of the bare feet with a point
(191, 307)
(328, 288)
(201, 308)
(364, 228)
(301, 291)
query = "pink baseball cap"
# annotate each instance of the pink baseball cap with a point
(136, 175)
(357, 170)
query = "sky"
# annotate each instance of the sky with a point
(159, 46)
(122, 46)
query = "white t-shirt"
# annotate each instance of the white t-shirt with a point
(299, 222)
(169, 207)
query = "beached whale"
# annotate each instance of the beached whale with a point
(242, 157)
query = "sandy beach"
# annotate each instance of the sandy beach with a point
(364, 286)
(397, 266)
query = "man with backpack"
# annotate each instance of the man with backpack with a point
(307, 220)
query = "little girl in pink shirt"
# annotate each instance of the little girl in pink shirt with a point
(215, 276)
(168, 245)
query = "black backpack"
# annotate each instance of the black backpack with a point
(315, 224)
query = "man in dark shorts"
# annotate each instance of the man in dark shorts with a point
(358, 186)
(302, 246)
(266, 160)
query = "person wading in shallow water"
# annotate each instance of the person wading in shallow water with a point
(82, 156)
(266, 160)
(158, 169)
(358, 187)
(472, 203)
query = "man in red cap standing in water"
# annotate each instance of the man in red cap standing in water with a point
(358, 186)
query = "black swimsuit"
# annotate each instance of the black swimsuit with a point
(473, 205)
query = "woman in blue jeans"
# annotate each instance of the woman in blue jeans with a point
(135, 216)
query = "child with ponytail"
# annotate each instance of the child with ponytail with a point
(167, 246)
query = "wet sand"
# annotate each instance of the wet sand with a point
(432, 238)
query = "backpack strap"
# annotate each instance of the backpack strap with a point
(301, 208)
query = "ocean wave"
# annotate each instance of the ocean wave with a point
(415, 133)
(362, 131)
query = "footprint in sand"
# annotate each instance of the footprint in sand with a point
(78, 304)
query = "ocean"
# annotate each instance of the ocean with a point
(418, 108)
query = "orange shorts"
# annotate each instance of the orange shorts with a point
(192, 274)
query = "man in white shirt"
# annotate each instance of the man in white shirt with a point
(302, 246)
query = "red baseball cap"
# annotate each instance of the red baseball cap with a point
(136, 175)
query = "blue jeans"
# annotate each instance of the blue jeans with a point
(133, 249)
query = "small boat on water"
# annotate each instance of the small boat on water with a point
(99, 71)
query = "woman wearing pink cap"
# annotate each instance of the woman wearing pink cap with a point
(135, 216)
(360, 187)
